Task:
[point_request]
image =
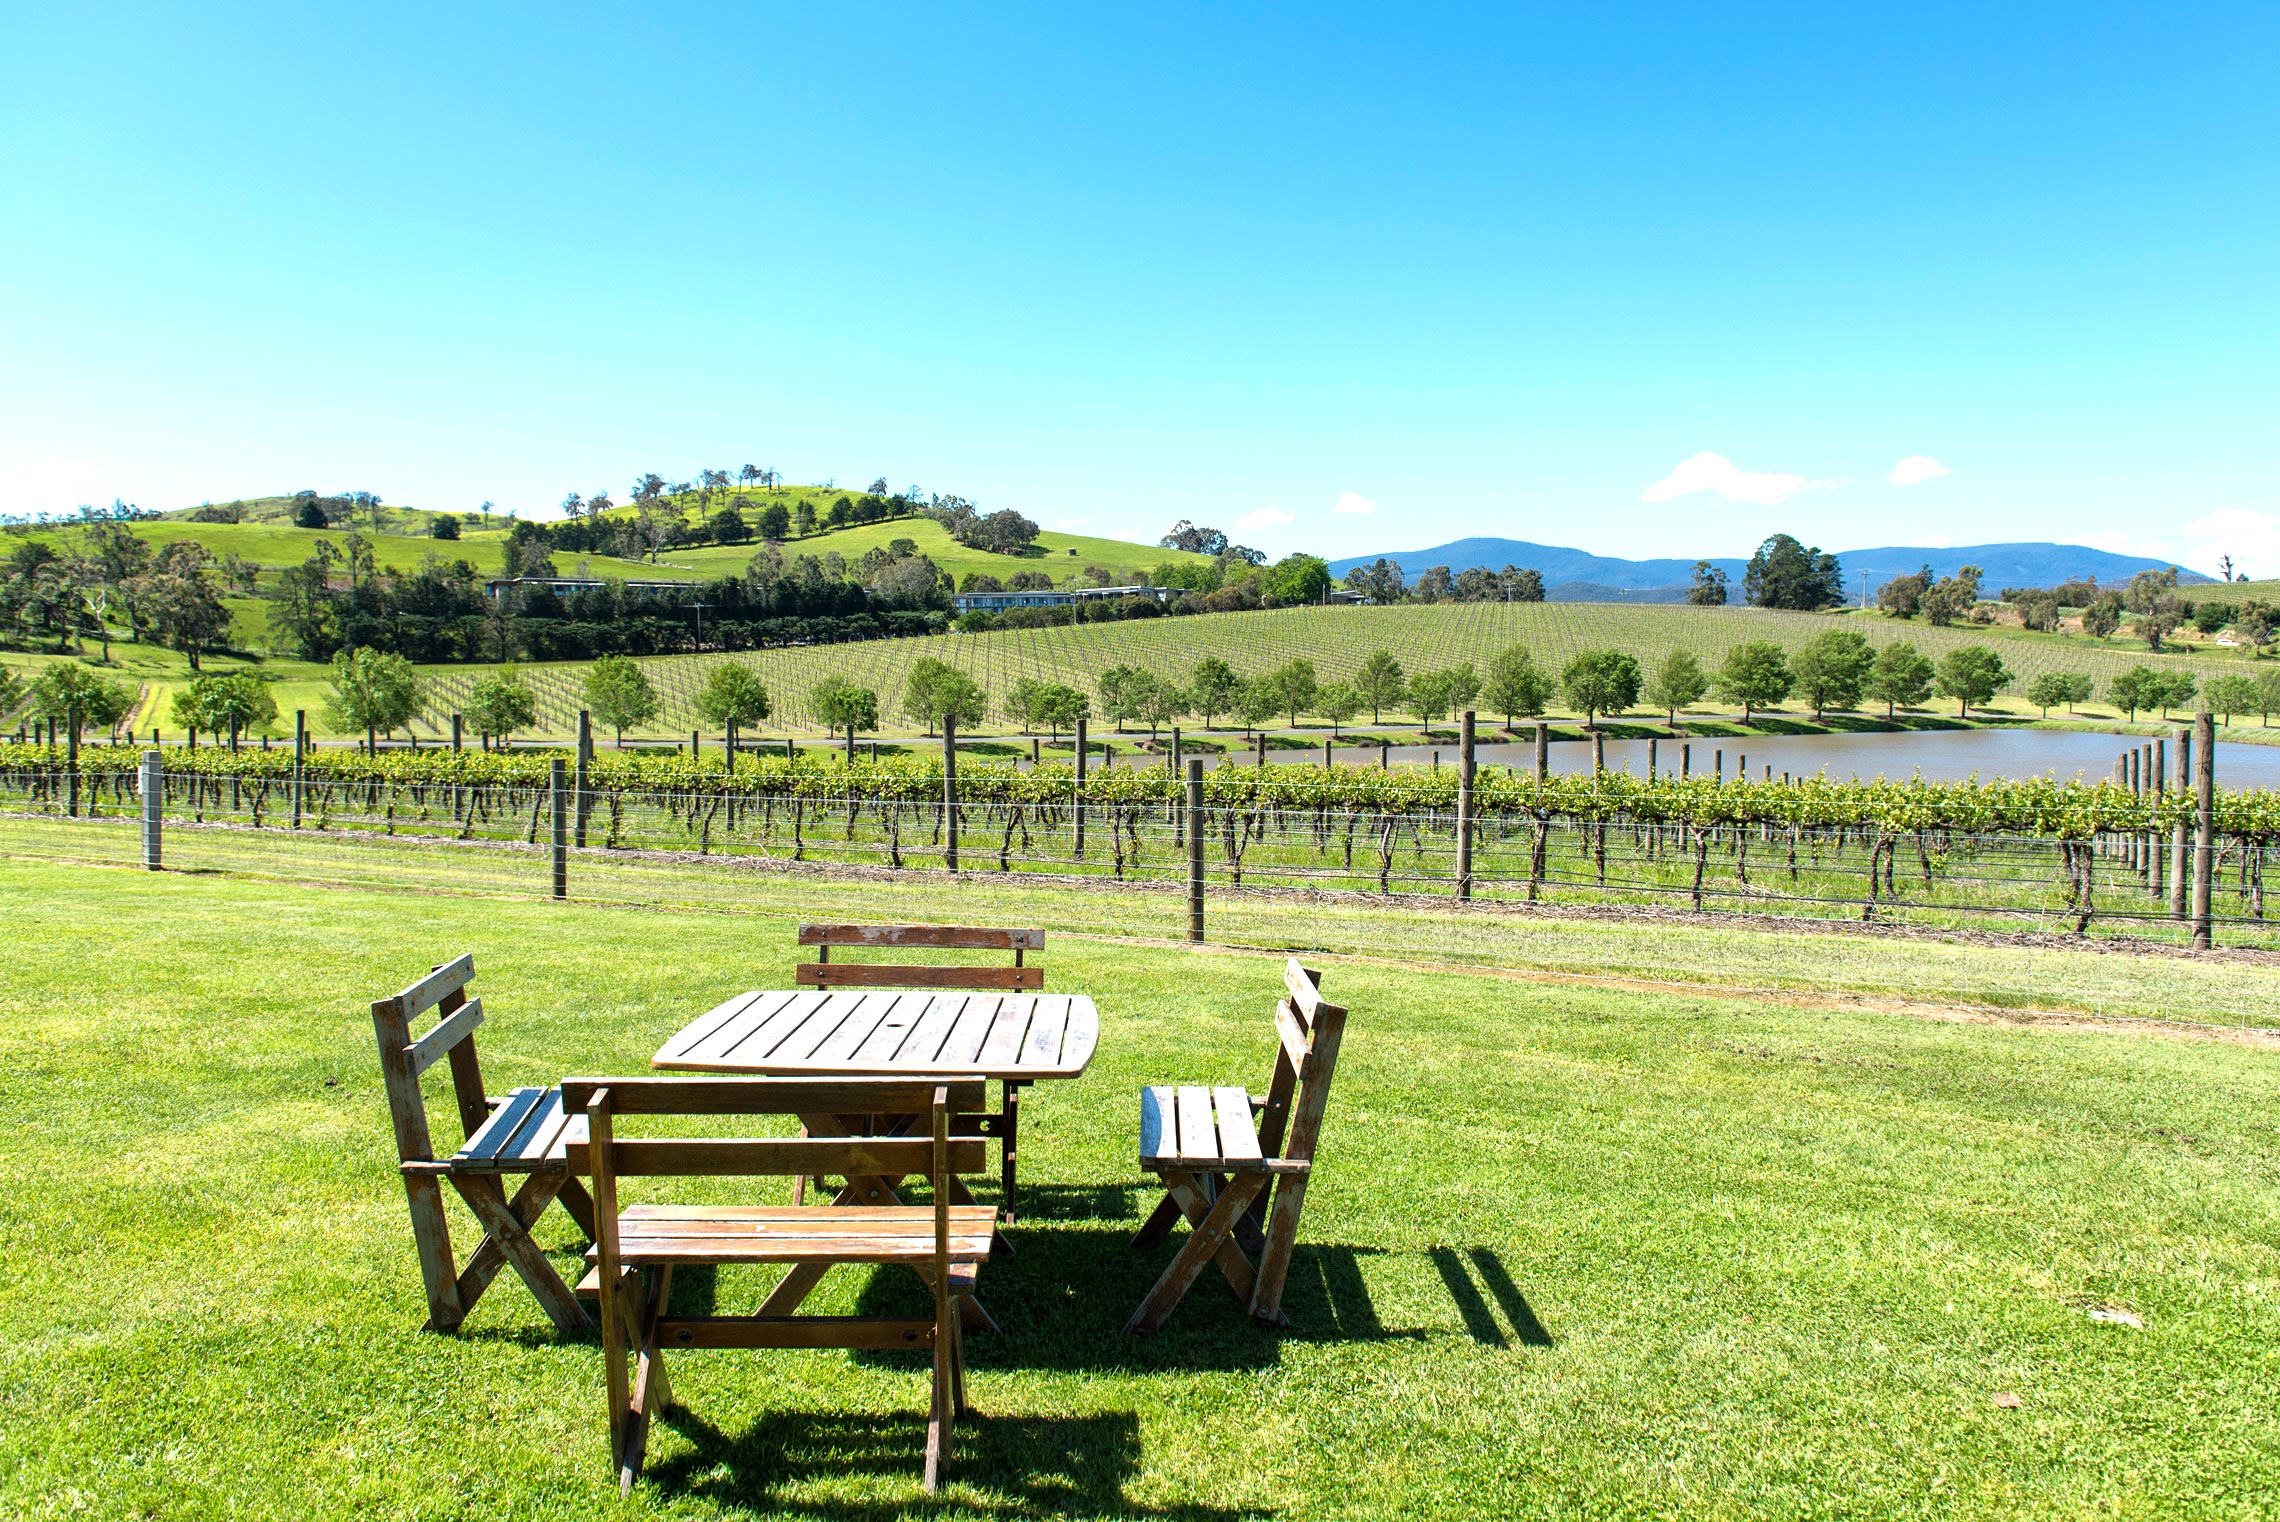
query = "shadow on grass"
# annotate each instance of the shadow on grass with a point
(1062, 1297)
(999, 1466)
(1458, 1271)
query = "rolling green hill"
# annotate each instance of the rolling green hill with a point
(1335, 639)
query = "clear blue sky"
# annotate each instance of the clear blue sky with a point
(1493, 271)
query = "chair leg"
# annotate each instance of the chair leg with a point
(1158, 1225)
(938, 1410)
(1197, 1196)
(510, 1230)
(1274, 1262)
(614, 1389)
(958, 1406)
(1201, 1247)
(431, 1234)
(650, 1393)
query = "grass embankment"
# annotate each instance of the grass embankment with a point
(1572, 1250)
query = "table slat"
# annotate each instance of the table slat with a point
(1001, 1048)
(1043, 1047)
(963, 1048)
(924, 1043)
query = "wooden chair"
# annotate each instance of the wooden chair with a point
(1218, 1151)
(825, 973)
(520, 1133)
(638, 1247)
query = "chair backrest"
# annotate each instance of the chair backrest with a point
(603, 1156)
(825, 973)
(1309, 1030)
(403, 1059)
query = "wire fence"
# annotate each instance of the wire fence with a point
(1320, 845)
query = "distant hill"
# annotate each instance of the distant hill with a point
(1576, 576)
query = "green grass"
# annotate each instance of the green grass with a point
(1572, 1251)
(1052, 554)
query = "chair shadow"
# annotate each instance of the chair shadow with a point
(1061, 1299)
(999, 1466)
(1457, 1271)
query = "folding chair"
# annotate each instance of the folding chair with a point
(638, 1247)
(519, 1133)
(1217, 1163)
(823, 972)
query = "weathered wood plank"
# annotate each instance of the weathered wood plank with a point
(963, 1046)
(1295, 1043)
(961, 937)
(1042, 1047)
(424, 995)
(892, 975)
(690, 1157)
(887, 1037)
(1159, 1127)
(1238, 1142)
(772, 1096)
(719, 1018)
(923, 1046)
(1001, 1048)
(1199, 1135)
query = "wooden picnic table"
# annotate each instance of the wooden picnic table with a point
(1016, 1038)
(890, 1032)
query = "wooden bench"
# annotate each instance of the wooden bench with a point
(1236, 1166)
(522, 1132)
(638, 1247)
(1018, 978)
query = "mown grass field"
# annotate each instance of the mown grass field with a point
(1574, 1249)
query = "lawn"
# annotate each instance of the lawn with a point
(1576, 1248)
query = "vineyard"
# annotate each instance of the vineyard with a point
(2027, 854)
(1336, 639)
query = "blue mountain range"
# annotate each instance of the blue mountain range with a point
(1576, 576)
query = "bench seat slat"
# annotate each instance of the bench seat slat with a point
(523, 1134)
(793, 1234)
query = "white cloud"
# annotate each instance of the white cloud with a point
(1714, 472)
(1070, 523)
(1916, 470)
(2118, 541)
(2250, 537)
(1353, 502)
(1262, 518)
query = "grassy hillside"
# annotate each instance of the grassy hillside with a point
(1336, 639)
(270, 540)
(1056, 555)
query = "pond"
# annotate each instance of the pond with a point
(1937, 755)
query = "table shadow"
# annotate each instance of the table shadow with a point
(999, 1466)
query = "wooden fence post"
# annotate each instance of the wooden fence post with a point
(2180, 833)
(585, 761)
(1077, 790)
(458, 731)
(1685, 759)
(1465, 809)
(300, 759)
(2204, 827)
(556, 786)
(950, 791)
(2157, 777)
(1195, 848)
(1598, 750)
(153, 795)
(1543, 750)
(1653, 755)
(71, 765)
